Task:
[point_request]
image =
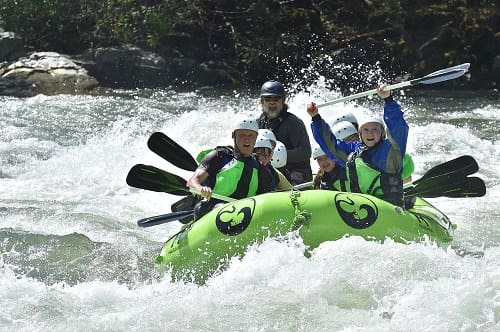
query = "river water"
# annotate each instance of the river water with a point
(73, 259)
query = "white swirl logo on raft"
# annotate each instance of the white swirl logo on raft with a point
(359, 213)
(233, 219)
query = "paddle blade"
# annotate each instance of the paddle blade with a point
(472, 187)
(433, 186)
(443, 75)
(154, 179)
(164, 218)
(169, 150)
(185, 204)
(448, 186)
(461, 166)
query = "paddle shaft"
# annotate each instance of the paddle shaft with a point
(438, 76)
(164, 218)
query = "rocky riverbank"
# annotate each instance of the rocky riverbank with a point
(352, 44)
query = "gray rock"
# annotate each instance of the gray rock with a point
(48, 73)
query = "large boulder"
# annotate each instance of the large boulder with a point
(127, 66)
(48, 73)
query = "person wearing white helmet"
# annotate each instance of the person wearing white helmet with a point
(346, 131)
(270, 176)
(374, 165)
(267, 134)
(347, 116)
(288, 129)
(330, 175)
(280, 156)
(229, 170)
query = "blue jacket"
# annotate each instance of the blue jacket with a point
(386, 156)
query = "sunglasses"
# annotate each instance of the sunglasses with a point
(271, 98)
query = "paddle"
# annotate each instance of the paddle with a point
(169, 150)
(472, 187)
(454, 186)
(444, 177)
(465, 165)
(154, 179)
(164, 218)
(435, 77)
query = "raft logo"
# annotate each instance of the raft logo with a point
(358, 214)
(234, 218)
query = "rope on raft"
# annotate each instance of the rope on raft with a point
(302, 217)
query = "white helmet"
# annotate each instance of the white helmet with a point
(249, 124)
(279, 156)
(266, 133)
(263, 142)
(343, 129)
(371, 119)
(347, 116)
(317, 152)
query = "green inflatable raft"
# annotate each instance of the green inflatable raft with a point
(205, 246)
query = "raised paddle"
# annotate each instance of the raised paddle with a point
(151, 178)
(435, 77)
(169, 150)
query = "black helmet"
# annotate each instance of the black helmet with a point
(272, 88)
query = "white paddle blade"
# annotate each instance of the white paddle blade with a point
(444, 74)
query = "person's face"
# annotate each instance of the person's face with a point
(371, 133)
(264, 154)
(244, 139)
(325, 163)
(272, 105)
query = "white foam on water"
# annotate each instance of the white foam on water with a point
(75, 183)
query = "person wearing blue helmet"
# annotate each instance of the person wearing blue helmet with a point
(288, 129)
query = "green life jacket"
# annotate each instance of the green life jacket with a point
(237, 178)
(336, 180)
(366, 179)
(202, 154)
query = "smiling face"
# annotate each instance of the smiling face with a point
(272, 105)
(371, 133)
(244, 141)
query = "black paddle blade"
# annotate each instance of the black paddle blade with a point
(448, 186)
(185, 204)
(154, 179)
(461, 166)
(164, 218)
(433, 187)
(172, 152)
(471, 187)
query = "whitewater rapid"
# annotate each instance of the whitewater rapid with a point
(73, 258)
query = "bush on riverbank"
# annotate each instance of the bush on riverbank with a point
(235, 42)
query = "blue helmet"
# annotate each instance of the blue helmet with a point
(272, 88)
